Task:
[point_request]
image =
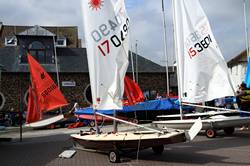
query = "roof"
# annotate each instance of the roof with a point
(36, 31)
(70, 60)
(145, 65)
(242, 57)
(68, 32)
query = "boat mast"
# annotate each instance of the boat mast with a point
(132, 63)
(57, 73)
(132, 56)
(97, 131)
(165, 44)
(246, 28)
(136, 62)
(177, 61)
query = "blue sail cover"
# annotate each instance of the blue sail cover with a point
(247, 77)
(151, 105)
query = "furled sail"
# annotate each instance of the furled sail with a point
(106, 27)
(45, 95)
(203, 73)
(133, 91)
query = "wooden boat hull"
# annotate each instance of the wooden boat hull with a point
(126, 140)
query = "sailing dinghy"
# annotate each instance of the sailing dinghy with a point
(106, 31)
(44, 95)
(202, 71)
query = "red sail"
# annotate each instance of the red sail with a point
(33, 114)
(132, 91)
(48, 94)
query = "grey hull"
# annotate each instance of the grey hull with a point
(217, 123)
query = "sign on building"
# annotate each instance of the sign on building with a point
(68, 83)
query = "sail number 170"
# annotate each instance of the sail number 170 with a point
(104, 31)
(199, 46)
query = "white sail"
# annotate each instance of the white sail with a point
(106, 33)
(203, 72)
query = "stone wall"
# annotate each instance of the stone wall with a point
(15, 85)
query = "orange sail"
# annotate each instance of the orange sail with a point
(33, 113)
(48, 95)
(132, 91)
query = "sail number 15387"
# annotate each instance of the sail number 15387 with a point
(200, 46)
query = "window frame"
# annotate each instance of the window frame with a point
(10, 38)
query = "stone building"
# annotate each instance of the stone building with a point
(47, 43)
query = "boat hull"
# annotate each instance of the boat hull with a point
(217, 123)
(45, 122)
(126, 141)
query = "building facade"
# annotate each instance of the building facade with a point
(237, 68)
(49, 45)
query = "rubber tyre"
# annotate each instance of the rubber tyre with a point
(114, 156)
(211, 133)
(52, 126)
(229, 130)
(135, 121)
(92, 123)
(158, 149)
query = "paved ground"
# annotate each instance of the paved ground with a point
(42, 147)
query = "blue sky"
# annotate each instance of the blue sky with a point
(225, 16)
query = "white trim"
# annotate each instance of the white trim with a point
(64, 40)
(84, 94)
(3, 103)
(25, 97)
(8, 41)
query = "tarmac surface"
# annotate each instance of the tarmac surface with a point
(42, 147)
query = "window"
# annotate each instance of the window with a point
(61, 42)
(39, 52)
(10, 41)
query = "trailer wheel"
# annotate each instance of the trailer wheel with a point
(114, 156)
(135, 121)
(92, 123)
(52, 126)
(210, 133)
(158, 149)
(229, 130)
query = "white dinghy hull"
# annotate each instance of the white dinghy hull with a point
(215, 122)
(45, 122)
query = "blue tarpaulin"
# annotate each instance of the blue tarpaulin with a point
(151, 105)
(247, 77)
